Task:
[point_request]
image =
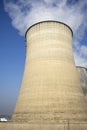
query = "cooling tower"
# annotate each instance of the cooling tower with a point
(82, 71)
(51, 90)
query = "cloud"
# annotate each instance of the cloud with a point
(24, 13)
(80, 54)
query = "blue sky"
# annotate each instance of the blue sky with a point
(12, 55)
(15, 17)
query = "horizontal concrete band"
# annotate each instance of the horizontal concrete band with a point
(59, 126)
(48, 117)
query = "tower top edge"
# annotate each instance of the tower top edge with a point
(81, 67)
(48, 21)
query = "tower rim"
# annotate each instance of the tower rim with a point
(81, 67)
(48, 22)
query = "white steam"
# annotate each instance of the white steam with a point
(24, 13)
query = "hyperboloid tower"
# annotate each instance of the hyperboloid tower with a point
(51, 90)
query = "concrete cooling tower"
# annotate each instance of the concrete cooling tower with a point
(83, 78)
(51, 90)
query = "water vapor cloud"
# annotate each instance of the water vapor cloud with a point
(24, 13)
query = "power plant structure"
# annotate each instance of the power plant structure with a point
(82, 71)
(51, 95)
(51, 90)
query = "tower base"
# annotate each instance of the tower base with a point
(59, 126)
